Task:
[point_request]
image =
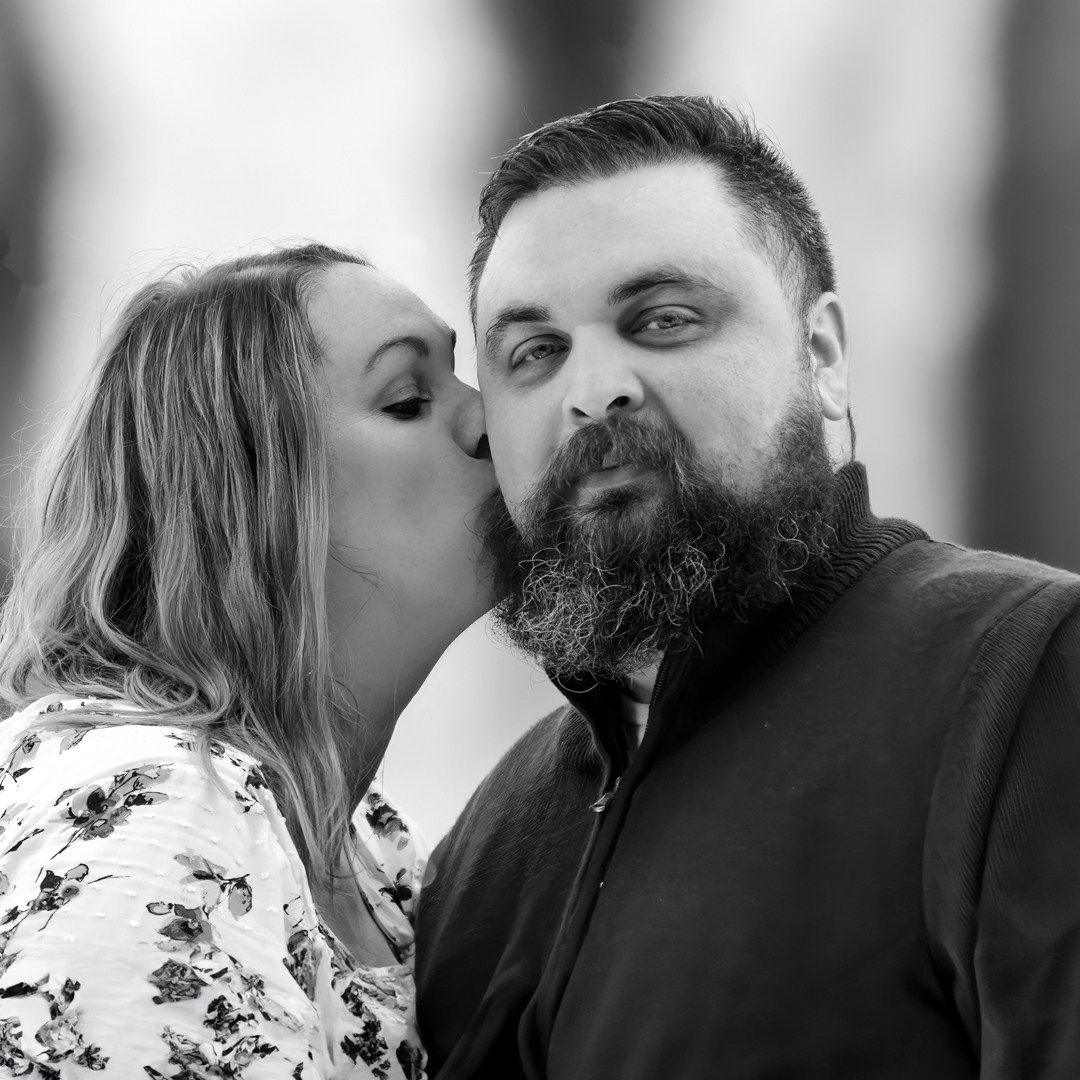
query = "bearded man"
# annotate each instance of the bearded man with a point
(813, 807)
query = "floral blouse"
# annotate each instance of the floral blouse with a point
(154, 922)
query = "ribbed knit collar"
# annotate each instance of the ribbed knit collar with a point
(748, 646)
(861, 542)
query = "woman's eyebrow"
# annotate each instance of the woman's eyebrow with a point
(650, 279)
(409, 340)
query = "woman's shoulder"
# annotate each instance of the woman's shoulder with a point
(120, 729)
(154, 910)
(90, 771)
(60, 744)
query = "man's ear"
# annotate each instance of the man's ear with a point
(829, 353)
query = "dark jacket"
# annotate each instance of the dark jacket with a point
(849, 845)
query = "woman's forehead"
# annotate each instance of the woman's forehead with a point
(360, 298)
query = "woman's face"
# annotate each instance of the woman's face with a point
(406, 481)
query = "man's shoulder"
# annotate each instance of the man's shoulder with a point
(943, 577)
(541, 783)
(960, 559)
(557, 749)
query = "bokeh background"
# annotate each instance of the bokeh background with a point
(940, 137)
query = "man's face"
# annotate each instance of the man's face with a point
(643, 293)
(654, 406)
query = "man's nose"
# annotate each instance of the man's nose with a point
(601, 383)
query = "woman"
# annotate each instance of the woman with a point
(255, 540)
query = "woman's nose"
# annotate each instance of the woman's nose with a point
(470, 432)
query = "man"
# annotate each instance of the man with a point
(813, 808)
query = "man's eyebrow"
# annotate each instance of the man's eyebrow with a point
(650, 279)
(410, 340)
(511, 316)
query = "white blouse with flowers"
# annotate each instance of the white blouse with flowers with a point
(154, 922)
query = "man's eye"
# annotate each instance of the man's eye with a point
(409, 409)
(536, 352)
(665, 320)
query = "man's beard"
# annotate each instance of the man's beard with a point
(605, 583)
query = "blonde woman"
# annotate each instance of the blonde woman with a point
(255, 538)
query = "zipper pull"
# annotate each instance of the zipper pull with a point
(601, 804)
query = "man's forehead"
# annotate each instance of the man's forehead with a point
(611, 281)
(677, 213)
(604, 277)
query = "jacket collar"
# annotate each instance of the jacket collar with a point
(741, 647)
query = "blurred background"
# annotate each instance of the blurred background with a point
(941, 139)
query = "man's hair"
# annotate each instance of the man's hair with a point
(630, 134)
(179, 544)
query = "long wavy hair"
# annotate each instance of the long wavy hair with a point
(176, 552)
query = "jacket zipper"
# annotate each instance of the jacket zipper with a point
(584, 890)
(661, 676)
(602, 803)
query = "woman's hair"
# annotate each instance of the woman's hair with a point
(177, 550)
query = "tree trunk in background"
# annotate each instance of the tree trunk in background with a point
(1026, 371)
(568, 55)
(24, 151)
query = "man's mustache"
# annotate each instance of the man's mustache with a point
(646, 441)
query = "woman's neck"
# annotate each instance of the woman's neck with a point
(381, 658)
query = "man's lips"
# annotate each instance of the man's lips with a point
(615, 476)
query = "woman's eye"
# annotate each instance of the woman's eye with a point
(535, 353)
(408, 409)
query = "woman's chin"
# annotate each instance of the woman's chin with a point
(450, 612)
(478, 605)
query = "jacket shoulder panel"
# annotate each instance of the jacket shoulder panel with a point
(1029, 606)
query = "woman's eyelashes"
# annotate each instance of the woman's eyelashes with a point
(409, 407)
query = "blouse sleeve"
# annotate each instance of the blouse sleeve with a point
(149, 921)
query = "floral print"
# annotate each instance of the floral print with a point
(156, 923)
(96, 812)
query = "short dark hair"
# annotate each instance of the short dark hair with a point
(632, 133)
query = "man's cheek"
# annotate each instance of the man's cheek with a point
(511, 483)
(517, 471)
(518, 515)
